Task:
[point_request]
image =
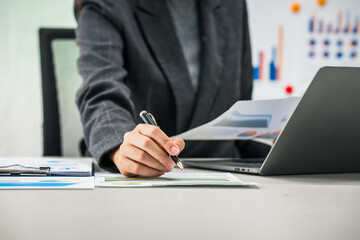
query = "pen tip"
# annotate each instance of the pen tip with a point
(179, 164)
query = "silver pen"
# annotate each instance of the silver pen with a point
(20, 170)
(149, 119)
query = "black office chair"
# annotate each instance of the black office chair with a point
(62, 130)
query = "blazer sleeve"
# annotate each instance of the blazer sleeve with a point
(107, 112)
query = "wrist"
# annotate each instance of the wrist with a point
(114, 154)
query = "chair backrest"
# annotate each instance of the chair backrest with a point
(62, 130)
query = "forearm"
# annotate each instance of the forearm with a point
(106, 109)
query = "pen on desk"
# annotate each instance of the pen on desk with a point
(149, 119)
(20, 170)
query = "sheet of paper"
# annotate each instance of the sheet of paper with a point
(59, 166)
(263, 119)
(170, 179)
(25, 182)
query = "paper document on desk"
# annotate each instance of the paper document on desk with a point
(25, 182)
(170, 179)
(263, 119)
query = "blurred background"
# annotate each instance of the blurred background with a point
(291, 40)
(20, 74)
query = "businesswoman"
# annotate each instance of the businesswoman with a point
(184, 61)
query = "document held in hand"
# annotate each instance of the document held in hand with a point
(245, 120)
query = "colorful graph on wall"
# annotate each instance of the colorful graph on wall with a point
(338, 39)
(291, 40)
(273, 72)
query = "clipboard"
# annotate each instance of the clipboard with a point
(45, 167)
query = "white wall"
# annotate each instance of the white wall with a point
(20, 75)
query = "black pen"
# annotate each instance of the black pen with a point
(149, 119)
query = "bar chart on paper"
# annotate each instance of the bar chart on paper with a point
(44, 182)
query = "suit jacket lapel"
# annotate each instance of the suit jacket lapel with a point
(213, 26)
(158, 27)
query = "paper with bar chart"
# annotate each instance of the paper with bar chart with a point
(246, 120)
(170, 179)
(26, 182)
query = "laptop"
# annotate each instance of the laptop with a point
(322, 135)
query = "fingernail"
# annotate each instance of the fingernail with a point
(170, 164)
(174, 150)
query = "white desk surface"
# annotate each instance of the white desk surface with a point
(282, 207)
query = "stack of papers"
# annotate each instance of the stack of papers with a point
(81, 177)
(60, 173)
(170, 179)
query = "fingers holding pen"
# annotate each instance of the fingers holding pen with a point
(131, 168)
(142, 155)
(145, 152)
(150, 152)
(155, 133)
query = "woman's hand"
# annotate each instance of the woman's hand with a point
(145, 152)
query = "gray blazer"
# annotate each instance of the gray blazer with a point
(131, 60)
